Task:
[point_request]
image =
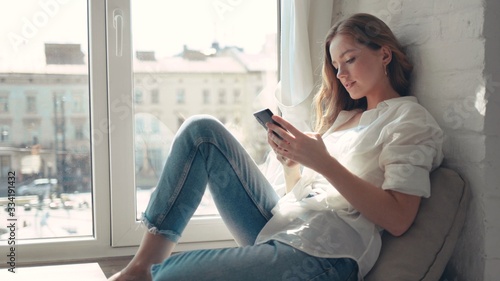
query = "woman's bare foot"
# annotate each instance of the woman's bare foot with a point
(131, 275)
(153, 250)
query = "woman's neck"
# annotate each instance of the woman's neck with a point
(382, 95)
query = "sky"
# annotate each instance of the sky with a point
(230, 22)
(163, 26)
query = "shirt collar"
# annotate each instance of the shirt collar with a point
(370, 115)
(397, 100)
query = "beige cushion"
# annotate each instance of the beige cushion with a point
(424, 250)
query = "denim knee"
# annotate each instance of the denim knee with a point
(200, 125)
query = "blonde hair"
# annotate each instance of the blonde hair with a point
(370, 31)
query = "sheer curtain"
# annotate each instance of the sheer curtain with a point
(304, 24)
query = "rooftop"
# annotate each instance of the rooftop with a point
(69, 59)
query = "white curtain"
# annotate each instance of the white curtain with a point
(304, 24)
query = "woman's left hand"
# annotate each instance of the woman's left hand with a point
(305, 148)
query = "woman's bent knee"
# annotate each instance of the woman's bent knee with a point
(201, 125)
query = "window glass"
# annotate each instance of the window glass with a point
(204, 57)
(181, 96)
(31, 103)
(4, 103)
(206, 96)
(138, 97)
(45, 178)
(155, 96)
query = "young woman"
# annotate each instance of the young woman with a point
(363, 172)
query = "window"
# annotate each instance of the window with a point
(155, 159)
(222, 96)
(79, 132)
(205, 53)
(30, 104)
(155, 96)
(237, 96)
(5, 166)
(44, 74)
(78, 103)
(4, 103)
(139, 125)
(138, 97)
(155, 126)
(206, 96)
(4, 133)
(51, 82)
(181, 96)
(32, 129)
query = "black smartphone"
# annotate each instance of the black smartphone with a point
(264, 116)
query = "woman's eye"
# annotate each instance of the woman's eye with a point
(351, 60)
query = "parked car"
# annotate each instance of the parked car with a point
(40, 187)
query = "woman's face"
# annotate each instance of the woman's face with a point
(360, 69)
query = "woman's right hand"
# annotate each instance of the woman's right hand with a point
(291, 169)
(308, 149)
(286, 162)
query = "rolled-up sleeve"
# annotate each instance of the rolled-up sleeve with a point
(411, 149)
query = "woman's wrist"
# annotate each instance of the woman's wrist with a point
(328, 167)
(292, 176)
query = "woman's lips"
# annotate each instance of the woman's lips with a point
(348, 85)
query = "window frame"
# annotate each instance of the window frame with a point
(201, 231)
(126, 230)
(97, 245)
(105, 132)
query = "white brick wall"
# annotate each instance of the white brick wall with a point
(455, 45)
(492, 131)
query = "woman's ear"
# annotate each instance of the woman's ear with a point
(386, 55)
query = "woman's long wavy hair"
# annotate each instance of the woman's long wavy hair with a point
(370, 31)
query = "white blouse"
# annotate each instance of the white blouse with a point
(395, 146)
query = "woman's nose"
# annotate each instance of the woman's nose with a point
(341, 72)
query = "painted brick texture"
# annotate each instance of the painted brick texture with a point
(454, 46)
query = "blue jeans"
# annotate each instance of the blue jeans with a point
(205, 153)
